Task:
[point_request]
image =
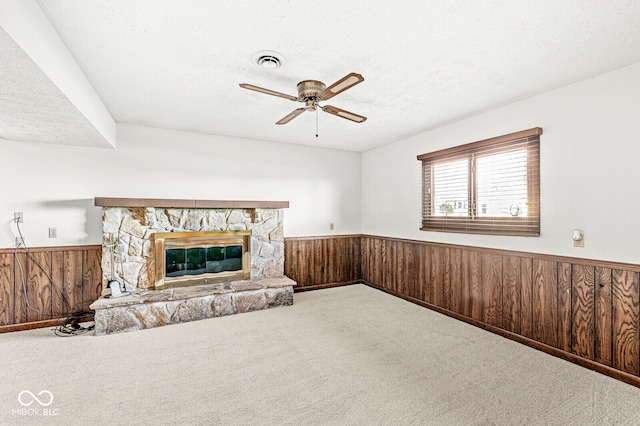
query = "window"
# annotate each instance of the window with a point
(486, 187)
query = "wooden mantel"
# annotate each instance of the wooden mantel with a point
(188, 204)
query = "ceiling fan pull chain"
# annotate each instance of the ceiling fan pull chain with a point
(316, 122)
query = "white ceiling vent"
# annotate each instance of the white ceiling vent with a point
(269, 59)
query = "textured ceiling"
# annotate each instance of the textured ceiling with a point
(177, 64)
(32, 107)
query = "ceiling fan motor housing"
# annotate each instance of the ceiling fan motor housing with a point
(309, 90)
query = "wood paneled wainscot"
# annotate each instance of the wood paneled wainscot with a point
(581, 310)
(320, 262)
(75, 270)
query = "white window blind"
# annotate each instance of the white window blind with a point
(450, 188)
(502, 184)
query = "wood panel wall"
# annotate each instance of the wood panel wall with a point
(27, 278)
(584, 311)
(581, 310)
(318, 262)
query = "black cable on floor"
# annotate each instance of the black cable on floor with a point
(76, 324)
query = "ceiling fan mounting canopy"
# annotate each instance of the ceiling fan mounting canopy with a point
(313, 91)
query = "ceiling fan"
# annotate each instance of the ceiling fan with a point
(313, 91)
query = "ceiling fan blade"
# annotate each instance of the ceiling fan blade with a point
(344, 114)
(268, 92)
(293, 114)
(341, 85)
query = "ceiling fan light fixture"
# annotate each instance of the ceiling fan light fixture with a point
(269, 59)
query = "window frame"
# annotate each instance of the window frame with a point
(489, 225)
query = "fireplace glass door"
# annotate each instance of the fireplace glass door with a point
(194, 258)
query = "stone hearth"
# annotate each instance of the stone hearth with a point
(154, 308)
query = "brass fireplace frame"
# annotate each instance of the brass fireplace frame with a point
(165, 240)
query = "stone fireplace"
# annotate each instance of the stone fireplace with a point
(133, 230)
(190, 259)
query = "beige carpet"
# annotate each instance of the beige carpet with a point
(344, 356)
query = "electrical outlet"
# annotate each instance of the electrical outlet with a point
(53, 232)
(331, 227)
(18, 217)
(580, 242)
(20, 242)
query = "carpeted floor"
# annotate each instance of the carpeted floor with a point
(343, 356)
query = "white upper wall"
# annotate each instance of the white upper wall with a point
(55, 185)
(589, 171)
(589, 152)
